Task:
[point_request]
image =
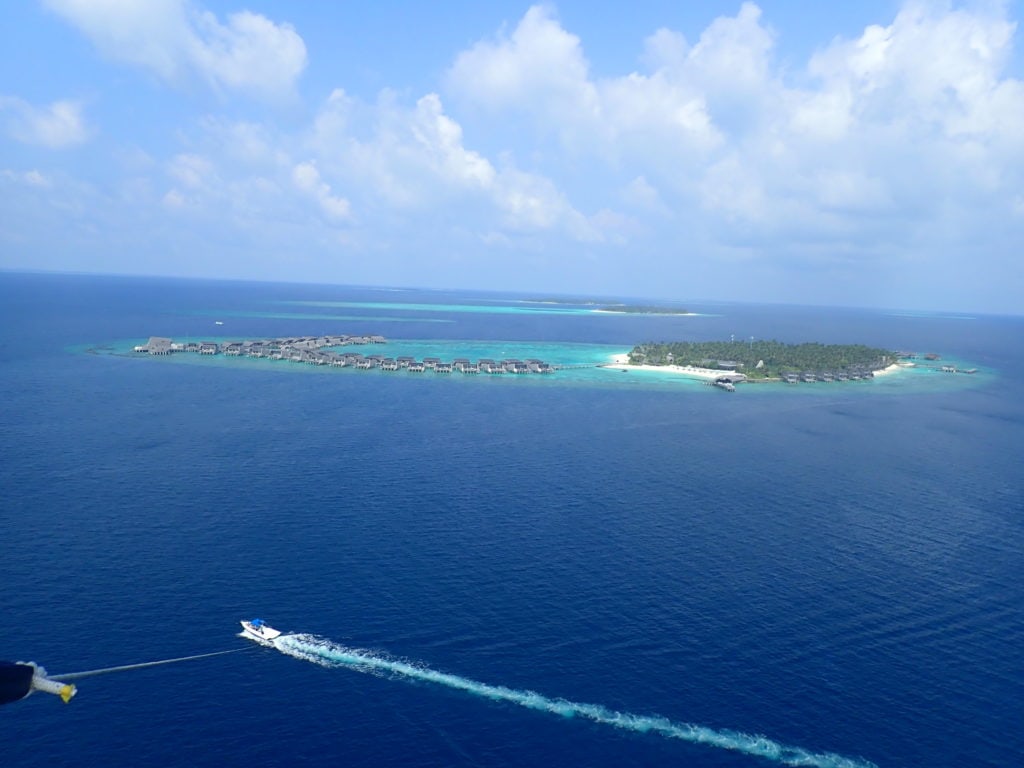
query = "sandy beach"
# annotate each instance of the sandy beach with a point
(621, 362)
(892, 369)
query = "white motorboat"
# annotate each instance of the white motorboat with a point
(259, 630)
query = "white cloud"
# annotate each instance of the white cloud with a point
(896, 146)
(190, 170)
(174, 199)
(36, 179)
(540, 71)
(540, 65)
(933, 68)
(441, 139)
(250, 52)
(57, 125)
(733, 53)
(640, 193)
(719, 123)
(415, 159)
(175, 39)
(306, 177)
(32, 178)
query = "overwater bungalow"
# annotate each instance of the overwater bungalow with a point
(157, 345)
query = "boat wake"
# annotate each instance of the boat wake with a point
(329, 654)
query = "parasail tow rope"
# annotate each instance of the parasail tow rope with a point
(126, 667)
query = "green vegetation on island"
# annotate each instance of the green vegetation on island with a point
(764, 359)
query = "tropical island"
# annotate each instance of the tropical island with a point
(767, 359)
(614, 306)
(720, 363)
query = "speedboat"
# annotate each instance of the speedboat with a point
(259, 630)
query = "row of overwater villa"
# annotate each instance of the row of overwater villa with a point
(852, 374)
(317, 350)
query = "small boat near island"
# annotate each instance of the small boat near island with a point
(259, 630)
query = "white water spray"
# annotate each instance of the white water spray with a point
(329, 654)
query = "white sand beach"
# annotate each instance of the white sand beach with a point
(621, 362)
(892, 369)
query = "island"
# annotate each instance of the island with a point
(615, 306)
(764, 360)
(719, 363)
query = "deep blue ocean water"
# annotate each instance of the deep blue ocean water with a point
(834, 567)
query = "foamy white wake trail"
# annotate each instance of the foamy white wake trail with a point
(329, 654)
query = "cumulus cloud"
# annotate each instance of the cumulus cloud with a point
(897, 144)
(441, 139)
(540, 70)
(56, 125)
(539, 66)
(307, 179)
(904, 122)
(933, 68)
(175, 39)
(416, 159)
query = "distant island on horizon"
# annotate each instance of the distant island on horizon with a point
(615, 306)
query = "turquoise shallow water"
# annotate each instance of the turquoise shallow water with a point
(489, 309)
(317, 317)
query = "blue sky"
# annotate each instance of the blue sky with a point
(870, 155)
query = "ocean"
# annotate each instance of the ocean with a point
(589, 568)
